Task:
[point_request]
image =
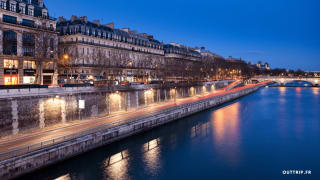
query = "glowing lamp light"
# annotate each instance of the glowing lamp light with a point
(81, 104)
(66, 56)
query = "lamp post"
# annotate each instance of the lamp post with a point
(175, 95)
(65, 62)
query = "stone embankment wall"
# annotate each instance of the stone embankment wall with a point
(50, 155)
(19, 112)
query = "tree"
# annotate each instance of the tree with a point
(46, 50)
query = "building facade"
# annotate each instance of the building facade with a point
(182, 63)
(28, 43)
(90, 51)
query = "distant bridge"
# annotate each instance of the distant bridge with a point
(285, 80)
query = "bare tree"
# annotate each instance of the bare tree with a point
(45, 52)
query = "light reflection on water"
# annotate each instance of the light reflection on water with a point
(116, 166)
(64, 177)
(315, 91)
(151, 155)
(226, 132)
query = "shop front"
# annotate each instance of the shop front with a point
(10, 77)
(48, 77)
(10, 72)
(29, 76)
(29, 72)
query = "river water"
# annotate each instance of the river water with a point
(256, 137)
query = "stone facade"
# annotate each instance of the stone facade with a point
(28, 36)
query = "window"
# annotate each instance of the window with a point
(22, 9)
(29, 65)
(30, 12)
(10, 19)
(28, 44)
(10, 64)
(9, 43)
(13, 7)
(3, 5)
(44, 13)
(51, 44)
(27, 22)
(48, 66)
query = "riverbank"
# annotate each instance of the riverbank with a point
(98, 137)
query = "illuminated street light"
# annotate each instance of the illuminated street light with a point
(66, 56)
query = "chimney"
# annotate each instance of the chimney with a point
(40, 3)
(134, 31)
(61, 19)
(84, 19)
(144, 34)
(73, 18)
(126, 29)
(110, 25)
(150, 37)
(97, 22)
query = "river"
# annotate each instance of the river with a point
(259, 136)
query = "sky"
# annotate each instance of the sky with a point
(284, 33)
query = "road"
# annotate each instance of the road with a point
(40, 135)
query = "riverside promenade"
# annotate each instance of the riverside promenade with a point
(27, 152)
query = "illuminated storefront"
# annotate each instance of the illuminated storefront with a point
(48, 71)
(10, 79)
(29, 71)
(10, 74)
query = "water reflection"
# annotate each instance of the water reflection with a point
(116, 166)
(298, 91)
(226, 132)
(64, 177)
(282, 91)
(315, 91)
(151, 156)
(200, 130)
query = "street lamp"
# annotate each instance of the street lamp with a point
(175, 95)
(65, 56)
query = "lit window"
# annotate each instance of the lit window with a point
(10, 64)
(29, 65)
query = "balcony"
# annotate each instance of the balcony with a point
(108, 46)
(35, 26)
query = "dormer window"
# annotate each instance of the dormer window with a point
(13, 6)
(44, 13)
(22, 8)
(3, 4)
(30, 10)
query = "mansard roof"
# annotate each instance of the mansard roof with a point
(131, 34)
(179, 49)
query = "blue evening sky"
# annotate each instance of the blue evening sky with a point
(284, 33)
